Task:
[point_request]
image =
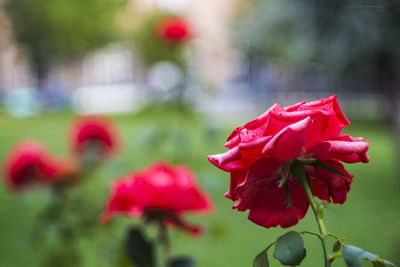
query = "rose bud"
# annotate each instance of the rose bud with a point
(94, 137)
(173, 30)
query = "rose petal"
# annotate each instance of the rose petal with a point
(329, 122)
(266, 201)
(161, 187)
(349, 152)
(348, 138)
(237, 177)
(28, 162)
(294, 107)
(261, 177)
(288, 143)
(97, 130)
(330, 186)
(255, 127)
(219, 160)
(329, 104)
(239, 157)
(319, 130)
(272, 210)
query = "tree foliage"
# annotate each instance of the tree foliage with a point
(354, 40)
(51, 29)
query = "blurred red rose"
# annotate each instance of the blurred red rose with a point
(174, 29)
(158, 189)
(29, 162)
(261, 151)
(94, 134)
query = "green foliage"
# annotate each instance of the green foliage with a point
(62, 28)
(139, 250)
(226, 229)
(336, 246)
(183, 261)
(289, 249)
(151, 47)
(63, 258)
(261, 260)
(353, 257)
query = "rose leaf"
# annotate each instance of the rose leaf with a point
(353, 257)
(289, 249)
(182, 261)
(336, 246)
(261, 260)
(139, 250)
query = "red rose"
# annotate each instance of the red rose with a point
(174, 30)
(94, 134)
(261, 151)
(160, 187)
(27, 163)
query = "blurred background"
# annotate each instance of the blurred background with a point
(177, 88)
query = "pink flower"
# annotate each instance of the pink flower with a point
(261, 151)
(29, 163)
(94, 133)
(158, 189)
(174, 29)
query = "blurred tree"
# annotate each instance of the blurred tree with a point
(354, 41)
(58, 29)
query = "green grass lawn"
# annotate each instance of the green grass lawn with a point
(370, 218)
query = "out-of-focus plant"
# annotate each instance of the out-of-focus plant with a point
(160, 195)
(29, 164)
(161, 40)
(52, 30)
(162, 37)
(285, 159)
(71, 213)
(93, 139)
(170, 137)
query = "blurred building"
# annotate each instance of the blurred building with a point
(216, 57)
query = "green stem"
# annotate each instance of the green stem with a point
(335, 256)
(320, 222)
(311, 233)
(164, 241)
(338, 239)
